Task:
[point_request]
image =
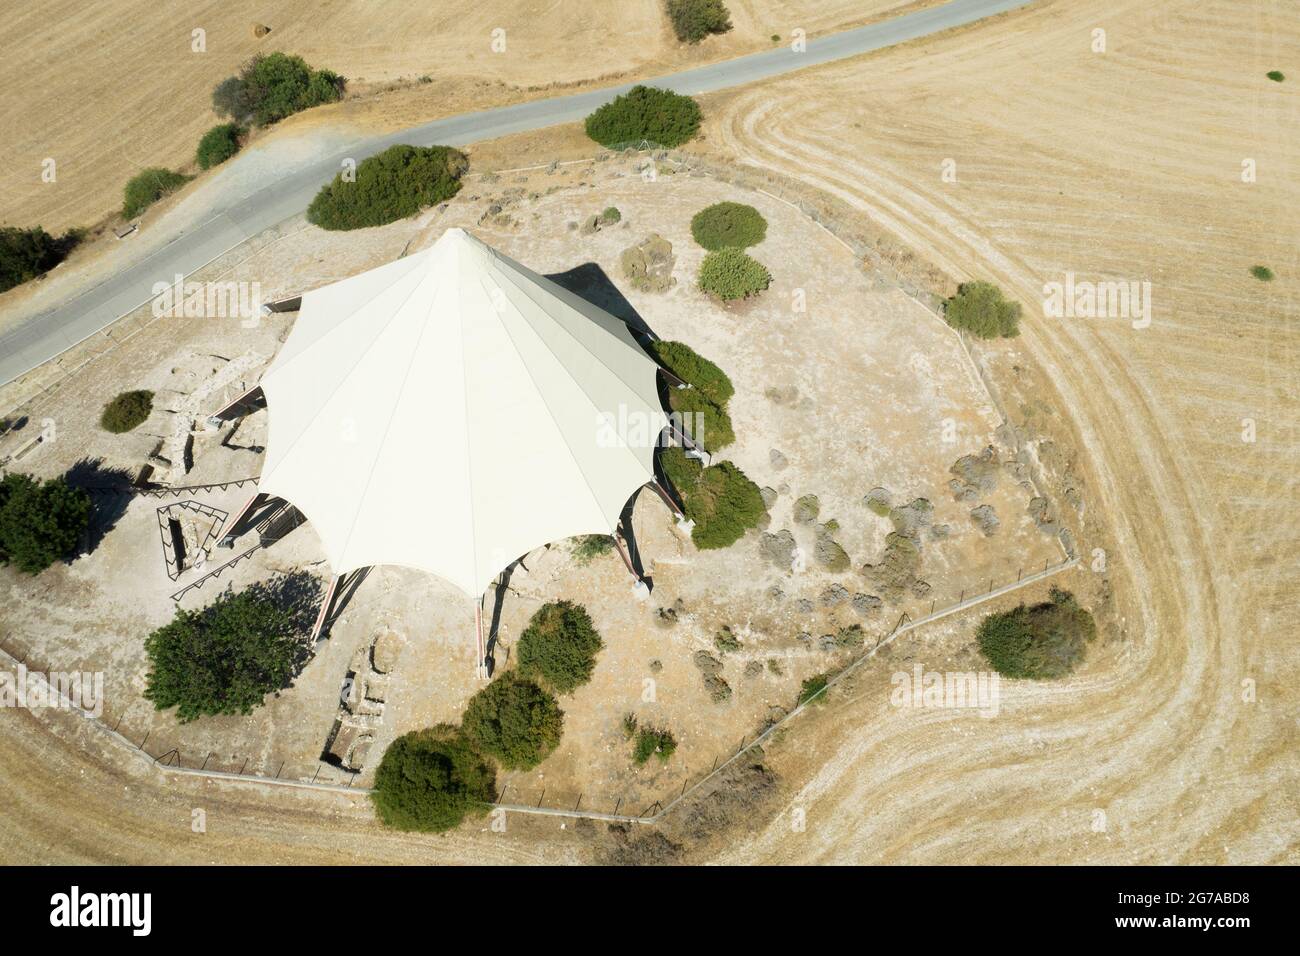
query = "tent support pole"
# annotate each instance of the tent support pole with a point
(481, 671)
(325, 609)
(622, 553)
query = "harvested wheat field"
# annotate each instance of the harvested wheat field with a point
(1178, 741)
(416, 60)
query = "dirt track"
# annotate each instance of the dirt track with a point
(1123, 165)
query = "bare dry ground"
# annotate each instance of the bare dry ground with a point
(857, 388)
(1118, 165)
(110, 88)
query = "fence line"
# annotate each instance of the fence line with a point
(168, 761)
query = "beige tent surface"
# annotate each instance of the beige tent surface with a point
(453, 410)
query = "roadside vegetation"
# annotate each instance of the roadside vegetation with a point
(702, 407)
(559, 646)
(218, 145)
(813, 689)
(693, 20)
(269, 88)
(397, 183)
(430, 780)
(731, 274)
(28, 253)
(127, 411)
(720, 499)
(728, 225)
(980, 309)
(514, 720)
(645, 113)
(40, 521)
(147, 187)
(226, 657)
(1041, 642)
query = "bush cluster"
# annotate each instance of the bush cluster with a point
(40, 522)
(981, 309)
(274, 86)
(1040, 642)
(397, 183)
(693, 20)
(430, 780)
(653, 742)
(147, 187)
(730, 274)
(218, 145)
(720, 499)
(28, 253)
(645, 113)
(703, 406)
(727, 225)
(559, 646)
(127, 411)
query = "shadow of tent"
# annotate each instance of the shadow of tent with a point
(591, 283)
(110, 494)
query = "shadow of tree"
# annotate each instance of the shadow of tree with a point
(110, 494)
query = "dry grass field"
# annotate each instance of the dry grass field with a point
(1118, 165)
(109, 88)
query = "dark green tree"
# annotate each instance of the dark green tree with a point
(981, 309)
(127, 411)
(430, 780)
(1041, 642)
(720, 499)
(559, 646)
(40, 522)
(514, 720)
(728, 224)
(693, 20)
(218, 145)
(397, 183)
(28, 253)
(226, 657)
(645, 113)
(147, 187)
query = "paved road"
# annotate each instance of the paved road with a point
(48, 334)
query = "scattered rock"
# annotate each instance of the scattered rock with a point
(778, 548)
(779, 461)
(866, 604)
(769, 496)
(649, 264)
(1040, 509)
(834, 596)
(986, 519)
(975, 475)
(754, 669)
(806, 509)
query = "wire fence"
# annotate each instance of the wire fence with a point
(167, 749)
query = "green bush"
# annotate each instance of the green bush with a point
(722, 502)
(147, 187)
(813, 688)
(706, 422)
(126, 412)
(728, 224)
(397, 183)
(1040, 642)
(979, 308)
(430, 780)
(218, 145)
(40, 522)
(611, 215)
(694, 369)
(588, 547)
(515, 721)
(653, 742)
(1277, 76)
(28, 253)
(693, 20)
(731, 274)
(1262, 273)
(559, 646)
(226, 657)
(274, 86)
(645, 113)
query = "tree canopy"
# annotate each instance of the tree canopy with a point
(430, 780)
(559, 646)
(645, 113)
(397, 183)
(514, 720)
(40, 522)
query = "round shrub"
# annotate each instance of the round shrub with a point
(728, 224)
(147, 187)
(40, 522)
(515, 721)
(218, 145)
(645, 113)
(397, 183)
(1041, 642)
(126, 412)
(1262, 273)
(720, 499)
(981, 309)
(731, 274)
(693, 20)
(559, 646)
(430, 780)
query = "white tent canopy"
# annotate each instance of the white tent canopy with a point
(452, 410)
